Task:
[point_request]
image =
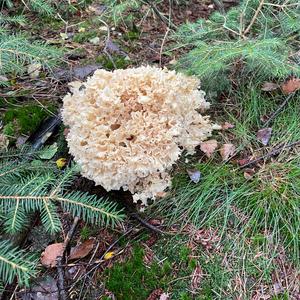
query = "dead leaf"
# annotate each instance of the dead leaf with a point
(291, 86)
(155, 294)
(248, 173)
(264, 135)
(148, 256)
(227, 125)
(227, 150)
(207, 237)
(51, 253)
(164, 296)
(97, 9)
(34, 70)
(269, 86)
(243, 161)
(3, 78)
(61, 162)
(80, 72)
(82, 250)
(194, 175)
(155, 222)
(196, 278)
(209, 147)
(109, 255)
(114, 48)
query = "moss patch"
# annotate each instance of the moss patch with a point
(133, 280)
(25, 119)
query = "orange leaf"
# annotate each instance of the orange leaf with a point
(51, 253)
(227, 125)
(209, 147)
(291, 86)
(227, 150)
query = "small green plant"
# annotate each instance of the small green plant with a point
(256, 38)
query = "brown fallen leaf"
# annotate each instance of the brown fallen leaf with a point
(51, 253)
(148, 256)
(227, 125)
(248, 173)
(155, 222)
(82, 250)
(291, 86)
(243, 161)
(155, 294)
(196, 279)
(227, 150)
(209, 147)
(264, 135)
(269, 86)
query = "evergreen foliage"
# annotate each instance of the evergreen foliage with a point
(255, 38)
(27, 187)
(44, 7)
(15, 262)
(17, 51)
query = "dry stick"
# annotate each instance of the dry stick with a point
(160, 16)
(271, 153)
(254, 17)
(162, 46)
(106, 44)
(278, 110)
(60, 281)
(136, 216)
(219, 5)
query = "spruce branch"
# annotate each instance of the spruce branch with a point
(15, 262)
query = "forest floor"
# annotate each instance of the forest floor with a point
(219, 258)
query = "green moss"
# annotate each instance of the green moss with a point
(85, 233)
(8, 129)
(133, 280)
(25, 119)
(82, 37)
(119, 61)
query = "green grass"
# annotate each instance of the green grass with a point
(267, 204)
(264, 208)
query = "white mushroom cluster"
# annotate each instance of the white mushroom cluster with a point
(128, 127)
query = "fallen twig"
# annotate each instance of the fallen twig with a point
(271, 153)
(278, 110)
(162, 46)
(160, 15)
(254, 17)
(60, 280)
(106, 44)
(145, 223)
(219, 5)
(60, 271)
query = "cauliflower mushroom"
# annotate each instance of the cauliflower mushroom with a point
(128, 127)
